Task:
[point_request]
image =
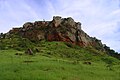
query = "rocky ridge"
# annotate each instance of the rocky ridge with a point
(59, 29)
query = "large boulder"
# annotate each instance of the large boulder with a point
(71, 22)
(29, 52)
(56, 21)
(28, 26)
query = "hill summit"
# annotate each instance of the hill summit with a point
(59, 29)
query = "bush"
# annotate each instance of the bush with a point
(109, 60)
(72, 45)
(2, 47)
(91, 49)
(69, 44)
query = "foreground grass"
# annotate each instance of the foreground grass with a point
(45, 67)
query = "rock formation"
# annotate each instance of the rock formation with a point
(59, 29)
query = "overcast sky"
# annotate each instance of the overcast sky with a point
(99, 18)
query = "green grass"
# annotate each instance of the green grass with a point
(57, 61)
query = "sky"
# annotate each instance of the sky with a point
(99, 18)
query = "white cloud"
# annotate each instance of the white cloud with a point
(115, 12)
(15, 13)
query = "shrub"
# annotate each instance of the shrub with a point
(72, 45)
(69, 44)
(2, 47)
(109, 60)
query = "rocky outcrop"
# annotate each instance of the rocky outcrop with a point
(59, 29)
(56, 21)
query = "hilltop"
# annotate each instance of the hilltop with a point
(59, 29)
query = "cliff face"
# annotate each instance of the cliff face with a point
(59, 29)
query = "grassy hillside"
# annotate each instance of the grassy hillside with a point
(56, 61)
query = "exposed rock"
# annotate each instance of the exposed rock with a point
(28, 26)
(78, 25)
(59, 29)
(29, 52)
(87, 62)
(40, 24)
(14, 30)
(70, 22)
(56, 21)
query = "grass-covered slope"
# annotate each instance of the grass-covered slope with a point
(57, 61)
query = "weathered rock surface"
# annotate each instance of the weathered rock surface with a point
(59, 29)
(29, 52)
